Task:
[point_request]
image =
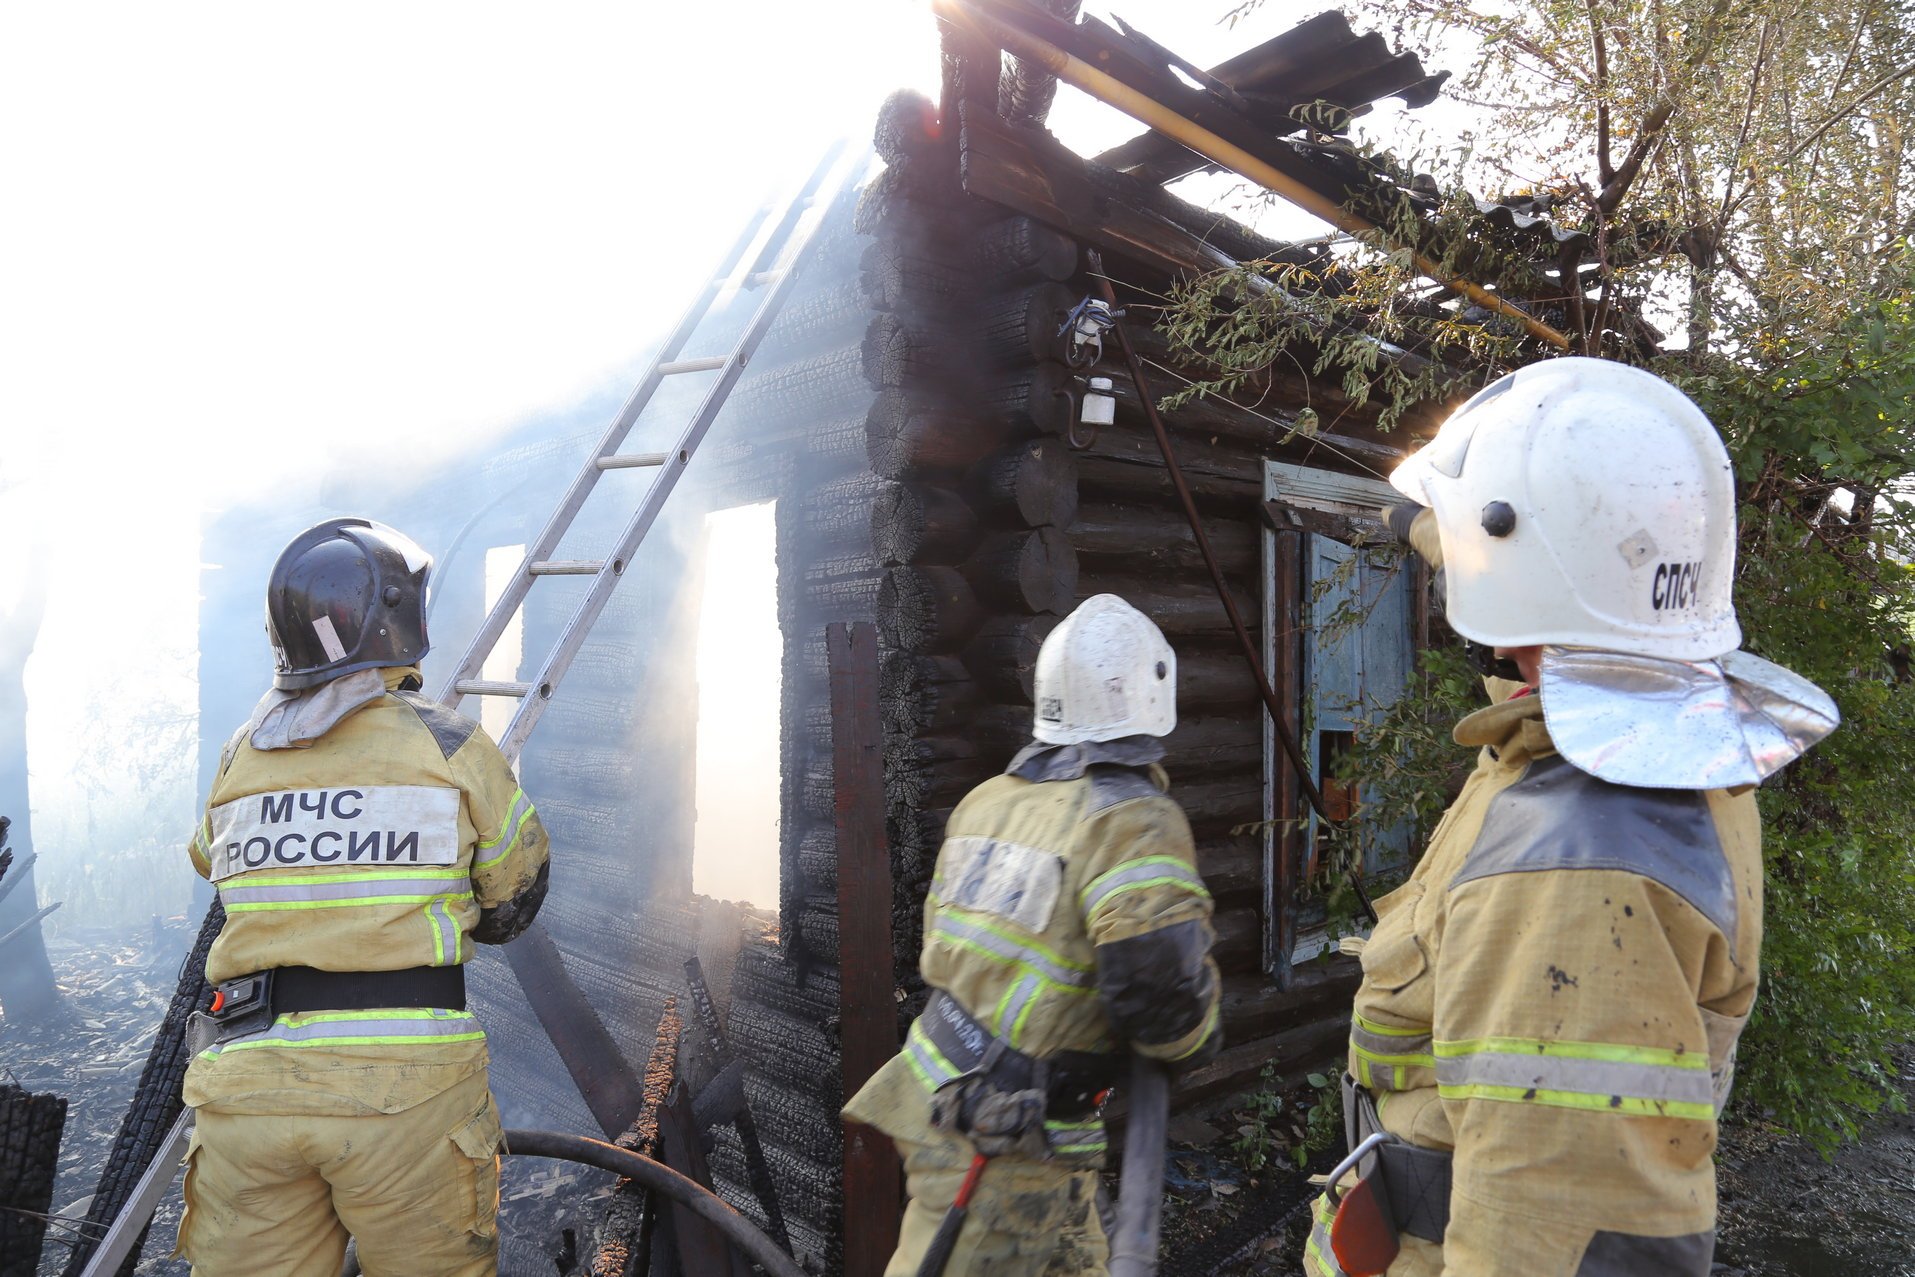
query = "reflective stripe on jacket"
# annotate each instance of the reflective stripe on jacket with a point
(380, 847)
(1066, 914)
(1555, 995)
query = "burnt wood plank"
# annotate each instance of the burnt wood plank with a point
(611, 1088)
(867, 1005)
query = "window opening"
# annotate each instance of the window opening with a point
(1353, 645)
(740, 692)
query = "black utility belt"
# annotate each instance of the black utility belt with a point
(1074, 1082)
(250, 1003)
(1416, 1181)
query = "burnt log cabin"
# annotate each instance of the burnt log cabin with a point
(911, 419)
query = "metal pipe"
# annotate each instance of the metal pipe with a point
(662, 1179)
(1146, 110)
(1140, 1195)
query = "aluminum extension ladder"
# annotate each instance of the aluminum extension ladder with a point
(774, 242)
(766, 256)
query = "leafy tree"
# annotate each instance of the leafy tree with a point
(1728, 201)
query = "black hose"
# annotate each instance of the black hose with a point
(659, 1178)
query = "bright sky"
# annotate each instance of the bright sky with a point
(243, 242)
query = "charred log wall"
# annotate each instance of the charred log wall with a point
(30, 1127)
(991, 522)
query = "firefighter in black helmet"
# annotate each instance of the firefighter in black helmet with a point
(362, 838)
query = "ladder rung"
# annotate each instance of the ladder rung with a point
(632, 460)
(566, 567)
(486, 687)
(677, 366)
(760, 277)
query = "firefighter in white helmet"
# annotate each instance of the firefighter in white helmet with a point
(1546, 1028)
(362, 838)
(1066, 926)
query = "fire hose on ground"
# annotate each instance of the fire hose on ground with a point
(661, 1179)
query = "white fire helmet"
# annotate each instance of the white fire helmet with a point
(1583, 503)
(1104, 673)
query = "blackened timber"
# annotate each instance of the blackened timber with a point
(1178, 606)
(911, 352)
(1003, 653)
(762, 1186)
(920, 523)
(832, 517)
(906, 437)
(896, 276)
(872, 1171)
(1018, 249)
(30, 1127)
(1293, 1054)
(1220, 804)
(923, 694)
(1108, 477)
(1022, 327)
(622, 1238)
(1219, 742)
(606, 1080)
(1284, 843)
(906, 128)
(1030, 171)
(1211, 676)
(701, 1247)
(1232, 867)
(927, 609)
(1253, 1006)
(1033, 571)
(1139, 538)
(1239, 937)
(1037, 398)
(1031, 485)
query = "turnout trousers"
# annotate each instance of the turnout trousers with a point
(418, 1189)
(1027, 1219)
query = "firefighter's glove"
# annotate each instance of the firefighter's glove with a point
(1006, 1122)
(997, 1122)
(1415, 526)
(1400, 518)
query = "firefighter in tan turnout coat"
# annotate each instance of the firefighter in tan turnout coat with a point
(1066, 926)
(1546, 1028)
(362, 838)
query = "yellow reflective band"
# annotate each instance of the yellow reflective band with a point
(916, 1041)
(1203, 1031)
(974, 947)
(1625, 1104)
(331, 877)
(515, 816)
(297, 1030)
(1318, 1247)
(1386, 1030)
(349, 1040)
(1660, 1057)
(1135, 875)
(275, 906)
(1412, 1059)
(1023, 942)
(1023, 1017)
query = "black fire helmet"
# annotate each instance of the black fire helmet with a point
(347, 594)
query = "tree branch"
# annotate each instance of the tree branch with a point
(1600, 47)
(1748, 121)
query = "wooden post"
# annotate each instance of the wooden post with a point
(867, 998)
(1286, 842)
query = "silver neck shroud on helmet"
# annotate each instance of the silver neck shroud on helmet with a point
(1662, 724)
